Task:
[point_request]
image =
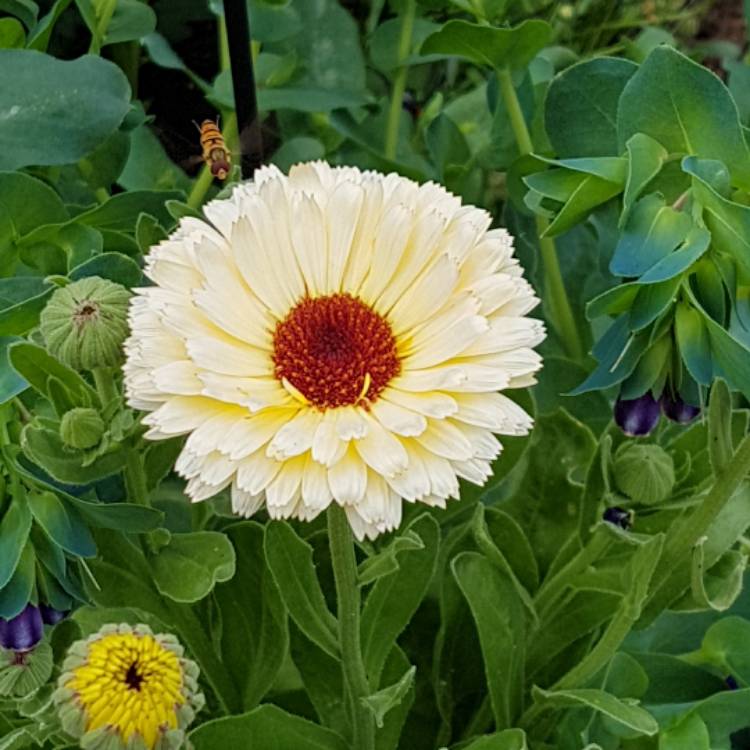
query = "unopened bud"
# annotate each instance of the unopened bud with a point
(85, 323)
(81, 428)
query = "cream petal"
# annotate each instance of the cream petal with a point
(254, 393)
(347, 478)
(430, 404)
(256, 472)
(182, 414)
(431, 379)
(398, 419)
(450, 343)
(475, 471)
(244, 504)
(310, 242)
(213, 355)
(316, 492)
(284, 488)
(327, 447)
(381, 450)
(350, 423)
(494, 411)
(507, 334)
(252, 432)
(445, 439)
(414, 483)
(342, 210)
(294, 437)
(179, 378)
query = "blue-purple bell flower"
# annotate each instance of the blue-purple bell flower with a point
(618, 517)
(674, 408)
(637, 417)
(22, 632)
(50, 615)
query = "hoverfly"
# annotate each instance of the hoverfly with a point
(215, 151)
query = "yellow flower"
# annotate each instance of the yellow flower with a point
(127, 686)
(333, 336)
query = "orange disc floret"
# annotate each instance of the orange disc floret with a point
(336, 351)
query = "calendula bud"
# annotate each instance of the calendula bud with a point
(81, 428)
(85, 323)
(125, 688)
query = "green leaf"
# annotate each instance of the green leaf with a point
(190, 565)
(384, 700)
(484, 45)
(40, 35)
(120, 213)
(265, 728)
(630, 715)
(386, 562)
(500, 630)
(124, 517)
(25, 203)
(720, 446)
(297, 149)
(687, 109)
(11, 383)
(132, 20)
(719, 586)
(12, 35)
(64, 528)
(394, 599)
(27, 298)
(113, 266)
(695, 244)
(33, 363)
(385, 42)
(14, 531)
(645, 160)
(46, 449)
(310, 99)
(653, 231)
(728, 222)
(725, 646)
(580, 110)
(651, 301)
(16, 594)
(254, 622)
(148, 167)
(291, 562)
(57, 111)
(689, 734)
(693, 342)
(508, 739)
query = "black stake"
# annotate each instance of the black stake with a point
(243, 81)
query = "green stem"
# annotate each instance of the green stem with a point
(102, 24)
(348, 603)
(104, 380)
(399, 80)
(560, 314)
(554, 587)
(672, 576)
(135, 477)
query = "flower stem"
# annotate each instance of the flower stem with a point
(559, 310)
(102, 24)
(399, 80)
(105, 384)
(348, 603)
(136, 482)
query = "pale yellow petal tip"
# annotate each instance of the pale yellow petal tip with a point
(336, 335)
(127, 688)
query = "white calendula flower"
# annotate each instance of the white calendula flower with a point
(333, 336)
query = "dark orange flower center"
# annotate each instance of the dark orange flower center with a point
(335, 351)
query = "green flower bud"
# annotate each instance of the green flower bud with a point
(85, 323)
(81, 428)
(645, 473)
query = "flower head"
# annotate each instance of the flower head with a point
(129, 688)
(85, 323)
(333, 336)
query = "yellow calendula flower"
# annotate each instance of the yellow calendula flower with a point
(125, 687)
(333, 336)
